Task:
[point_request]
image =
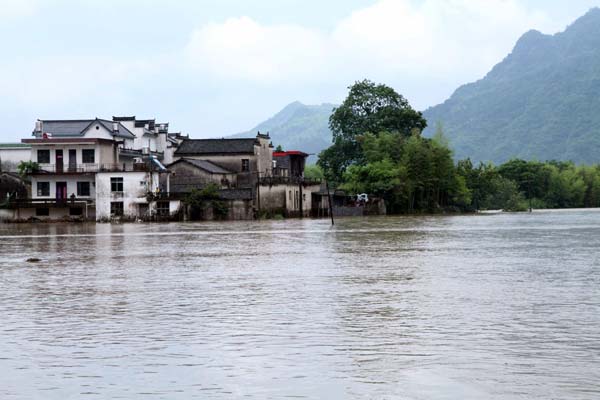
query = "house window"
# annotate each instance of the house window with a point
(116, 184)
(43, 156)
(43, 189)
(162, 208)
(245, 165)
(116, 208)
(75, 211)
(88, 156)
(83, 189)
(290, 195)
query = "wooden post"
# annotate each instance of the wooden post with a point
(300, 202)
(330, 203)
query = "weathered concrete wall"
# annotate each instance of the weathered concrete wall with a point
(241, 210)
(273, 198)
(55, 213)
(264, 157)
(136, 185)
(293, 200)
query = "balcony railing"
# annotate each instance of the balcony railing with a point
(90, 168)
(44, 203)
(288, 180)
(142, 167)
(68, 168)
(140, 153)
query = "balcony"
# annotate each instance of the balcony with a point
(45, 203)
(123, 167)
(67, 169)
(89, 168)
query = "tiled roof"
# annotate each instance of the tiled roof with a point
(205, 165)
(216, 146)
(77, 127)
(289, 153)
(14, 145)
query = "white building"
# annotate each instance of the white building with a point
(97, 168)
(11, 154)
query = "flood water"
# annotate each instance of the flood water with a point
(503, 306)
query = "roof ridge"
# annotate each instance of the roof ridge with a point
(253, 139)
(67, 120)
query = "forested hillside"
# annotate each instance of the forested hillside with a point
(541, 102)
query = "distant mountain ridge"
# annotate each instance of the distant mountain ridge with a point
(297, 127)
(541, 102)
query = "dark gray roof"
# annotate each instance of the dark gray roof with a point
(236, 194)
(205, 165)
(14, 146)
(216, 146)
(77, 127)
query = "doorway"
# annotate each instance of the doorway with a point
(59, 161)
(72, 160)
(61, 191)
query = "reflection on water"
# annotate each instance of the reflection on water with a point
(466, 307)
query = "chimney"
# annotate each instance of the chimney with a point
(38, 126)
(115, 127)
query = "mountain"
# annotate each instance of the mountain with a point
(541, 102)
(298, 127)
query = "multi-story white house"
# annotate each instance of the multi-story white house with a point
(97, 168)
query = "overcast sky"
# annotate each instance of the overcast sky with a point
(213, 68)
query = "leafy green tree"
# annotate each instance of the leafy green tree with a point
(200, 200)
(313, 172)
(369, 108)
(279, 149)
(27, 168)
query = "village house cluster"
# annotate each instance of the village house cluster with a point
(129, 168)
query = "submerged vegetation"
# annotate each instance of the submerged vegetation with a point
(201, 200)
(378, 149)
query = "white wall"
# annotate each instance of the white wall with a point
(98, 131)
(103, 153)
(12, 156)
(71, 185)
(135, 187)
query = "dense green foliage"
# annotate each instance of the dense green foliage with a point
(27, 167)
(541, 102)
(200, 200)
(416, 174)
(517, 184)
(313, 172)
(410, 174)
(369, 109)
(419, 175)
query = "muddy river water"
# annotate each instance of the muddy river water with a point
(502, 306)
